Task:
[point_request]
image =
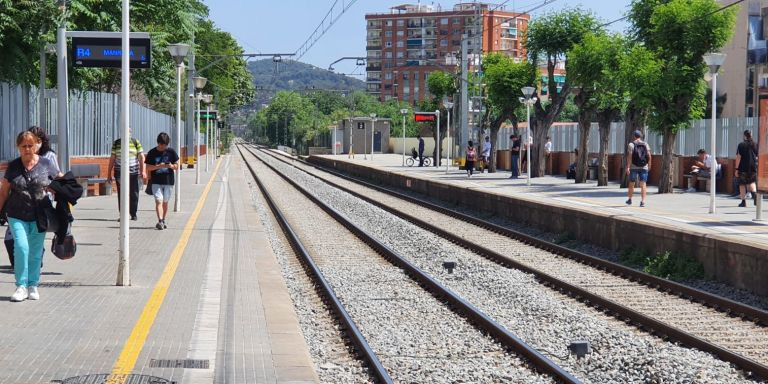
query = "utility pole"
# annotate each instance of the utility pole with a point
(191, 111)
(62, 126)
(124, 265)
(464, 106)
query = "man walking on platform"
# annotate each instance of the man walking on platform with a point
(161, 162)
(746, 167)
(421, 150)
(638, 166)
(136, 169)
(515, 150)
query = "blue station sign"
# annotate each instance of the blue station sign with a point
(107, 52)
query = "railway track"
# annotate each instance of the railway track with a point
(319, 260)
(732, 331)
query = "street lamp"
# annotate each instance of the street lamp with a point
(365, 138)
(714, 61)
(178, 52)
(404, 112)
(208, 130)
(529, 100)
(199, 84)
(448, 107)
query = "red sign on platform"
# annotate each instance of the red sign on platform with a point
(424, 116)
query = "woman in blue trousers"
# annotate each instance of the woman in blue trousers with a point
(23, 187)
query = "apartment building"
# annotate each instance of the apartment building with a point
(410, 41)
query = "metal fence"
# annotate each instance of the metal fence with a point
(94, 121)
(565, 137)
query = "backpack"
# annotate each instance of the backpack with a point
(640, 155)
(471, 154)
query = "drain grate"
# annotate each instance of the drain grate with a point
(102, 378)
(186, 363)
(56, 284)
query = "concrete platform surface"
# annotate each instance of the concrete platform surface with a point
(207, 302)
(682, 209)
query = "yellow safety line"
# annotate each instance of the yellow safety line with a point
(135, 343)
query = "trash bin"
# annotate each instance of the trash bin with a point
(105, 189)
(592, 174)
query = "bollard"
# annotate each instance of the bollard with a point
(759, 207)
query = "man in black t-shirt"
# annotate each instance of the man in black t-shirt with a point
(161, 162)
(746, 167)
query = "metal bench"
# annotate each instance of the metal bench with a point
(88, 174)
(706, 181)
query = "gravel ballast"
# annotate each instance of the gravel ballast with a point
(542, 317)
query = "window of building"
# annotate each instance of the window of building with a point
(388, 55)
(389, 23)
(400, 54)
(400, 33)
(388, 44)
(457, 20)
(444, 21)
(400, 23)
(388, 76)
(387, 33)
(443, 43)
(400, 44)
(406, 76)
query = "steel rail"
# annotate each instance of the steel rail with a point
(622, 312)
(482, 321)
(378, 370)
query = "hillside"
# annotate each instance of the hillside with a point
(297, 76)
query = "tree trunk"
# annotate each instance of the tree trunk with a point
(585, 121)
(604, 119)
(541, 121)
(634, 120)
(665, 182)
(495, 127)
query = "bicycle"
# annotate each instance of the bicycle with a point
(415, 158)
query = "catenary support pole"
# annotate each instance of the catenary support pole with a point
(123, 270)
(62, 126)
(207, 136)
(464, 106)
(448, 142)
(713, 137)
(42, 105)
(179, 140)
(437, 143)
(197, 139)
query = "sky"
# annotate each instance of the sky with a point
(268, 26)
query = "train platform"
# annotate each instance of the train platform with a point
(678, 218)
(207, 301)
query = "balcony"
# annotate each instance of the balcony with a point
(373, 80)
(373, 68)
(373, 47)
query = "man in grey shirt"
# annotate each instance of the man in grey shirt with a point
(638, 166)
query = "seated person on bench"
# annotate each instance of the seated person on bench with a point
(701, 169)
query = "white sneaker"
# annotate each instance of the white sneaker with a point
(21, 294)
(748, 195)
(33, 293)
(691, 189)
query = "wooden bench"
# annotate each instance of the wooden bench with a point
(706, 181)
(89, 174)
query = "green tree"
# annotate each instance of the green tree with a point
(594, 64)
(678, 33)
(548, 39)
(22, 23)
(441, 85)
(504, 78)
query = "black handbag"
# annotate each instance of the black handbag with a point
(148, 190)
(47, 219)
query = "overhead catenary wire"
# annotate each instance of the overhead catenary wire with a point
(322, 28)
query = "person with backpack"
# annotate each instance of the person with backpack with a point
(746, 167)
(471, 157)
(136, 168)
(638, 166)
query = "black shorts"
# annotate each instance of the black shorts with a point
(746, 178)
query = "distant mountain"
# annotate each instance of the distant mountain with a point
(295, 76)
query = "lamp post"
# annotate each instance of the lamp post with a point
(714, 61)
(437, 144)
(404, 112)
(529, 100)
(178, 52)
(373, 128)
(207, 100)
(199, 84)
(448, 107)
